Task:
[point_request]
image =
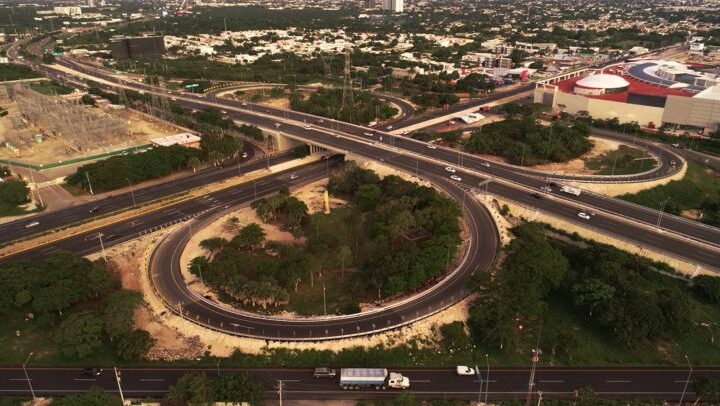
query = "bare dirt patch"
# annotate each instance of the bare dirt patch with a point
(577, 166)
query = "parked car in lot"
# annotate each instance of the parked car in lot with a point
(324, 373)
(462, 370)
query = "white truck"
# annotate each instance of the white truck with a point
(372, 378)
(571, 190)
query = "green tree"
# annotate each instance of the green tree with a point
(96, 396)
(343, 257)
(80, 334)
(195, 389)
(119, 311)
(238, 387)
(367, 197)
(48, 58)
(591, 293)
(707, 389)
(194, 163)
(250, 236)
(87, 100)
(134, 345)
(213, 245)
(708, 287)
(13, 192)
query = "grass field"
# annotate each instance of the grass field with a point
(623, 161)
(699, 190)
(50, 88)
(16, 72)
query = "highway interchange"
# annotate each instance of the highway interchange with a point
(680, 238)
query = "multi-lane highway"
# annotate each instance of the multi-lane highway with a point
(661, 384)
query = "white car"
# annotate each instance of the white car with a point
(584, 215)
(450, 169)
(389, 127)
(485, 164)
(243, 104)
(32, 224)
(223, 111)
(432, 146)
(277, 125)
(546, 189)
(368, 134)
(307, 126)
(456, 178)
(244, 155)
(462, 370)
(293, 177)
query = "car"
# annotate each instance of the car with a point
(293, 176)
(389, 127)
(546, 189)
(368, 134)
(462, 370)
(243, 104)
(244, 155)
(92, 371)
(320, 121)
(673, 163)
(536, 195)
(307, 126)
(456, 178)
(277, 125)
(450, 169)
(94, 209)
(324, 373)
(432, 146)
(584, 215)
(32, 224)
(223, 111)
(485, 164)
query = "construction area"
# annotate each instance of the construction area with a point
(40, 129)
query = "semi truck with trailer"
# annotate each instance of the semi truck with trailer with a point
(571, 190)
(372, 378)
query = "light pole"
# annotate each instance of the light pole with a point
(487, 378)
(87, 176)
(132, 192)
(662, 211)
(102, 247)
(27, 377)
(117, 379)
(687, 381)
(536, 352)
(324, 301)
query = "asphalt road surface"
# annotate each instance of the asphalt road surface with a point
(662, 384)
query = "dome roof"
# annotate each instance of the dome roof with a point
(603, 81)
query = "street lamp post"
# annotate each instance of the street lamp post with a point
(662, 211)
(687, 381)
(487, 378)
(27, 377)
(132, 192)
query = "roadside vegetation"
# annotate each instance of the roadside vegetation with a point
(123, 170)
(697, 195)
(66, 309)
(230, 387)
(392, 238)
(10, 71)
(14, 192)
(624, 160)
(50, 88)
(328, 103)
(522, 140)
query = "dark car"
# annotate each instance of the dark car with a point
(92, 371)
(536, 195)
(324, 373)
(95, 209)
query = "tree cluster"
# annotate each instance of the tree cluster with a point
(282, 208)
(614, 292)
(230, 387)
(13, 192)
(524, 141)
(329, 103)
(82, 302)
(118, 171)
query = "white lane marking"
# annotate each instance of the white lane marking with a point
(421, 380)
(152, 380)
(18, 379)
(617, 381)
(84, 379)
(551, 381)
